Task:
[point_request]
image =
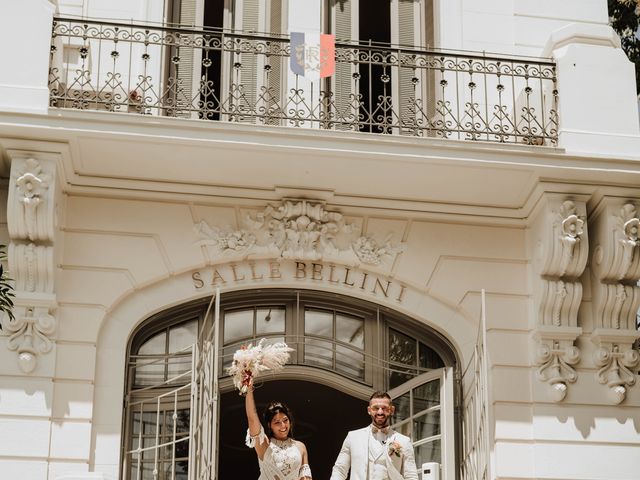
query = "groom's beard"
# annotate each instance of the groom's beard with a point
(381, 421)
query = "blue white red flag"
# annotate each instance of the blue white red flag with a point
(313, 55)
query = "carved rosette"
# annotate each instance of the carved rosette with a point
(562, 256)
(299, 230)
(31, 219)
(616, 296)
(567, 250)
(31, 205)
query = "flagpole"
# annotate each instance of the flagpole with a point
(485, 375)
(215, 400)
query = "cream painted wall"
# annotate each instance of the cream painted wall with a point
(124, 260)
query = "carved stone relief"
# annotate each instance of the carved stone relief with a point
(616, 295)
(615, 362)
(556, 356)
(300, 230)
(32, 267)
(561, 260)
(31, 219)
(30, 334)
(30, 206)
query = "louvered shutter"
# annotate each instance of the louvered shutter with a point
(414, 88)
(405, 32)
(245, 78)
(344, 26)
(188, 69)
(276, 75)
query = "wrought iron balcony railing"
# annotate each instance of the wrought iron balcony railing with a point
(226, 76)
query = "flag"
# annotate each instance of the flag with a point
(312, 55)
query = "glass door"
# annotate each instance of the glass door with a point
(424, 413)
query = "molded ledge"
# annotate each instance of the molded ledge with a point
(598, 143)
(24, 99)
(614, 336)
(549, 332)
(601, 35)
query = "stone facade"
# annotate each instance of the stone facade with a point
(113, 218)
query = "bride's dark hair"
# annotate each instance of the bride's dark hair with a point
(272, 409)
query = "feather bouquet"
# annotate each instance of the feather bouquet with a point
(249, 361)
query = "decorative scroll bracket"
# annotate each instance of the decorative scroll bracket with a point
(32, 224)
(559, 261)
(616, 295)
(555, 355)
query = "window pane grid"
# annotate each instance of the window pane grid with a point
(418, 414)
(160, 449)
(334, 340)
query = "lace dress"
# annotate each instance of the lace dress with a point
(282, 459)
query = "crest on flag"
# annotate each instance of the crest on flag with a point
(312, 55)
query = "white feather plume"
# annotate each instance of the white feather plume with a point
(249, 361)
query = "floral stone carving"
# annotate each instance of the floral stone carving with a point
(615, 370)
(563, 253)
(616, 297)
(556, 355)
(298, 230)
(30, 334)
(31, 192)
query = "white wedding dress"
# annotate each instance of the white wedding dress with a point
(282, 459)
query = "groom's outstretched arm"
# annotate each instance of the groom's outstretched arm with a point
(343, 462)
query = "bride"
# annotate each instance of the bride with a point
(280, 457)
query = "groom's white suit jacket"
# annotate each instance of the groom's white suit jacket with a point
(360, 450)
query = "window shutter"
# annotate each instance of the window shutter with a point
(187, 75)
(406, 91)
(246, 80)
(344, 27)
(274, 96)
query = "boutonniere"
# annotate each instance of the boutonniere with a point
(395, 449)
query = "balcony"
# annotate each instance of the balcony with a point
(214, 75)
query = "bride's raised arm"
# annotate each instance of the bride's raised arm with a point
(256, 437)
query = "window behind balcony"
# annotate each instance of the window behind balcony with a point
(387, 93)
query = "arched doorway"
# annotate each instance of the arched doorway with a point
(323, 415)
(342, 350)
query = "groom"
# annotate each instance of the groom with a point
(376, 452)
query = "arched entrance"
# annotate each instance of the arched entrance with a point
(342, 350)
(323, 415)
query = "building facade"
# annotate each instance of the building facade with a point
(451, 215)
